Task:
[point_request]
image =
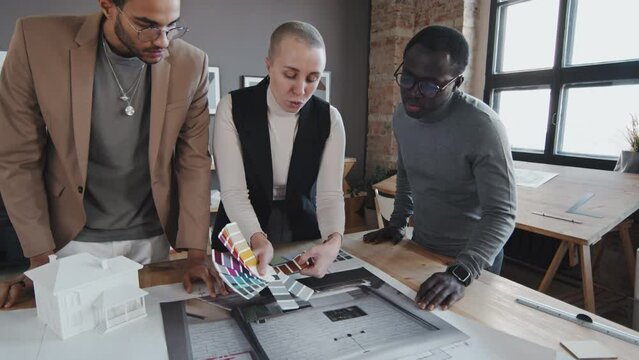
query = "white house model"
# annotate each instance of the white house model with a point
(79, 292)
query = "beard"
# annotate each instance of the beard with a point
(126, 40)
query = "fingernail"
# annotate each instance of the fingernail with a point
(431, 307)
(444, 307)
(422, 306)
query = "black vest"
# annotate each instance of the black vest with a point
(251, 121)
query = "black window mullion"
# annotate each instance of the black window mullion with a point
(492, 43)
(601, 72)
(512, 2)
(521, 79)
(556, 84)
(576, 161)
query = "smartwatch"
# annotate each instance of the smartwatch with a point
(461, 274)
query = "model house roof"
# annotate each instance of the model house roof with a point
(77, 270)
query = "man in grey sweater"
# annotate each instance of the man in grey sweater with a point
(454, 169)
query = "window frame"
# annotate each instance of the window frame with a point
(557, 77)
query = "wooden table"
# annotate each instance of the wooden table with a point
(490, 300)
(616, 196)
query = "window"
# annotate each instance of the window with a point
(564, 77)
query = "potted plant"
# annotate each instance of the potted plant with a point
(629, 159)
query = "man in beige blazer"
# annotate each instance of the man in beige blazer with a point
(104, 137)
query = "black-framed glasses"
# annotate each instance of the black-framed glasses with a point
(427, 87)
(152, 33)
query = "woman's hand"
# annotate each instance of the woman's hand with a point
(321, 256)
(263, 250)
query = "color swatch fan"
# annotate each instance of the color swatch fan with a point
(238, 269)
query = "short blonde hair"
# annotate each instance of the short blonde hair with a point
(299, 29)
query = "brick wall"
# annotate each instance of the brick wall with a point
(393, 23)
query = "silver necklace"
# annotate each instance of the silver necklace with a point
(126, 96)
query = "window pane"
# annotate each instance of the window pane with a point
(595, 119)
(527, 39)
(603, 32)
(525, 115)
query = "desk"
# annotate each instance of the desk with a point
(616, 198)
(490, 300)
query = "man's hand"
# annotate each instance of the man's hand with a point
(322, 256)
(441, 289)
(15, 290)
(263, 250)
(21, 288)
(200, 266)
(388, 233)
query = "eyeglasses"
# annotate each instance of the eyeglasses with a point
(152, 33)
(427, 87)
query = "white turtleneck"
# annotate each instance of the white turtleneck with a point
(282, 127)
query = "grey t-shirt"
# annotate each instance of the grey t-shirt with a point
(118, 200)
(455, 177)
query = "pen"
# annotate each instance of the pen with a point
(556, 217)
(580, 319)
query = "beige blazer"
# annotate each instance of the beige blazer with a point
(46, 89)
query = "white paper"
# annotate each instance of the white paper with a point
(176, 292)
(212, 340)
(588, 349)
(484, 343)
(532, 178)
(373, 330)
(24, 337)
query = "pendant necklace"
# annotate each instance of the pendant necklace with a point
(126, 96)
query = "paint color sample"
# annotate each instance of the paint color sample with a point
(239, 271)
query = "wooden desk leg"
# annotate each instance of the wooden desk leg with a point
(586, 278)
(628, 251)
(554, 265)
(573, 258)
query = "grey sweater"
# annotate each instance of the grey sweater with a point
(455, 178)
(118, 201)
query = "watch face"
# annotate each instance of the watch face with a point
(461, 274)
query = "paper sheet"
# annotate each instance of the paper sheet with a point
(532, 178)
(588, 349)
(24, 337)
(484, 343)
(373, 330)
(218, 340)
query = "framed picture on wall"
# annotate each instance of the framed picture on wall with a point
(248, 80)
(214, 88)
(324, 88)
(3, 54)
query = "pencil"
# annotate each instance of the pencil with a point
(556, 217)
